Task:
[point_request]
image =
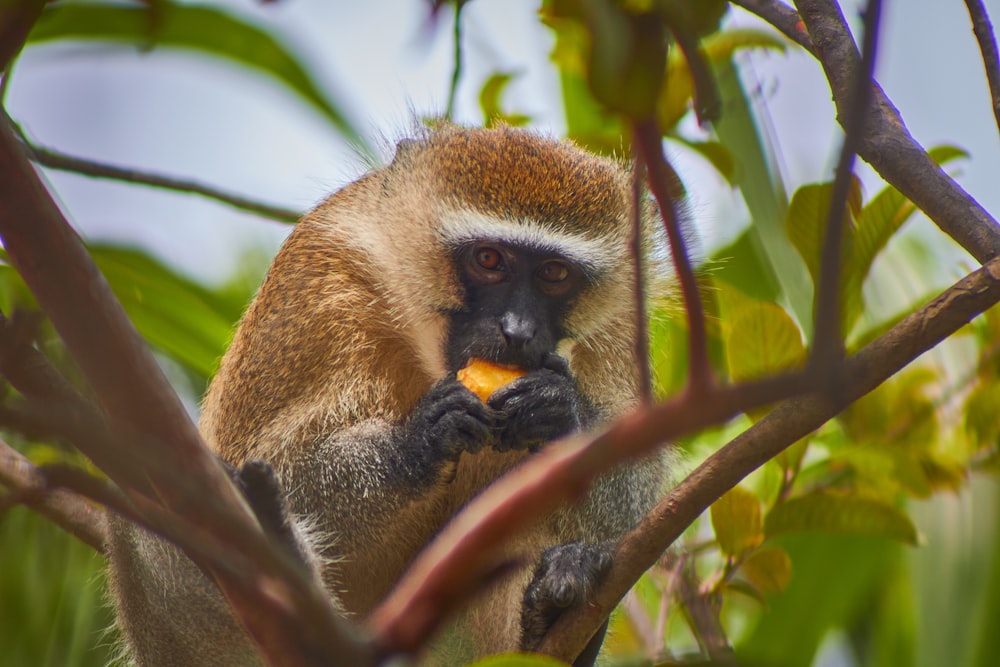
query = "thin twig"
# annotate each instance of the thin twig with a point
(667, 188)
(456, 72)
(983, 30)
(828, 345)
(782, 17)
(704, 617)
(639, 287)
(63, 162)
(707, 100)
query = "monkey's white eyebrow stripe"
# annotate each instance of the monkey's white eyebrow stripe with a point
(592, 255)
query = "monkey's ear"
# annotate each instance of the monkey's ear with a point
(404, 148)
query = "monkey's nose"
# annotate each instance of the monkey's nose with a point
(517, 331)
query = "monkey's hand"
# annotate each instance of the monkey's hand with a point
(538, 407)
(262, 489)
(448, 420)
(564, 577)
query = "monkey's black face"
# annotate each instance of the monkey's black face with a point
(515, 300)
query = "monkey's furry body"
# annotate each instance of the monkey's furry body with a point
(496, 244)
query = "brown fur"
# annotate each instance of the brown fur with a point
(347, 333)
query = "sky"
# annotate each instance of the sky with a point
(179, 114)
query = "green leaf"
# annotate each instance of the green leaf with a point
(885, 214)
(826, 512)
(805, 225)
(668, 346)
(762, 189)
(489, 101)
(588, 123)
(867, 230)
(717, 155)
(832, 589)
(982, 415)
(174, 314)
(736, 520)
(204, 30)
(623, 53)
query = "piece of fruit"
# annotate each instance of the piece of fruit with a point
(483, 377)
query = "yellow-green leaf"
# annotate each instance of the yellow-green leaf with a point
(830, 513)
(982, 415)
(489, 101)
(736, 519)
(769, 569)
(760, 339)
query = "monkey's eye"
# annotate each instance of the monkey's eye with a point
(553, 271)
(489, 258)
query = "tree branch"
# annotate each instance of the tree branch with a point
(828, 345)
(16, 20)
(63, 162)
(667, 189)
(639, 286)
(69, 511)
(782, 17)
(983, 30)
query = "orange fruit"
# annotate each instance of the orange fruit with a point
(483, 377)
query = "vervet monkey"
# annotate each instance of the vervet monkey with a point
(493, 244)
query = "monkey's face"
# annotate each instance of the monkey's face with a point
(515, 301)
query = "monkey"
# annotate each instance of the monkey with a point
(497, 244)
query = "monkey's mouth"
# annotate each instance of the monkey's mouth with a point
(525, 360)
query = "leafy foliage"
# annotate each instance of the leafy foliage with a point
(817, 545)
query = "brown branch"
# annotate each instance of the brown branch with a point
(137, 400)
(704, 617)
(25, 367)
(63, 162)
(794, 419)
(782, 17)
(639, 287)
(707, 100)
(16, 20)
(667, 189)
(887, 145)
(204, 548)
(983, 30)
(828, 344)
(69, 511)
